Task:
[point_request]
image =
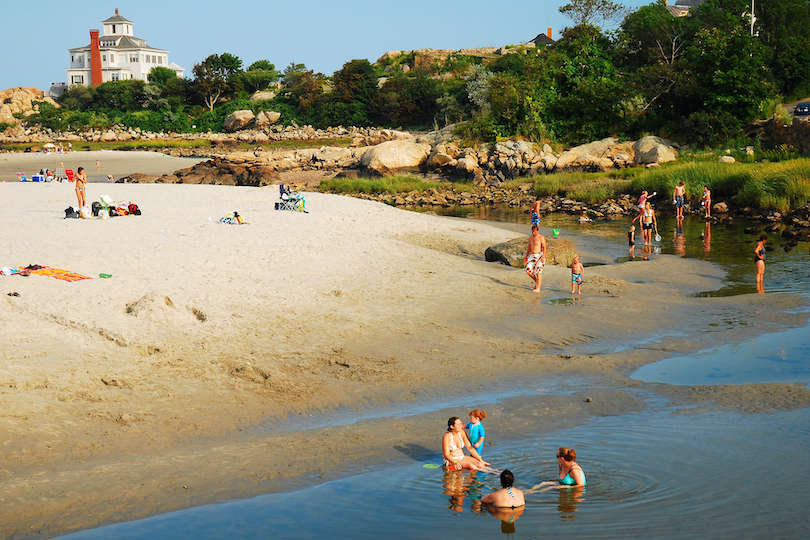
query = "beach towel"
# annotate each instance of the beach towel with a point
(64, 275)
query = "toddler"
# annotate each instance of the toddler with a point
(476, 430)
(576, 275)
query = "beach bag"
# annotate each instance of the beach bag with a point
(85, 213)
(103, 214)
(133, 209)
(96, 207)
(71, 213)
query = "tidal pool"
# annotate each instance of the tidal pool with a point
(666, 474)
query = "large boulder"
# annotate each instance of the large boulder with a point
(266, 119)
(394, 157)
(652, 149)
(262, 96)
(238, 120)
(560, 252)
(378, 137)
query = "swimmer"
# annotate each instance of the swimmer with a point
(570, 473)
(577, 270)
(584, 218)
(507, 496)
(759, 263)
(453, 443)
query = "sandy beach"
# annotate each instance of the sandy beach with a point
(190, 375)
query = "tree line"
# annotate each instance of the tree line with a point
(700, 78)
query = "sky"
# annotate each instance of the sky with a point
(322, 34)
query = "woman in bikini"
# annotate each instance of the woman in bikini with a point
(81, 182)
(570, 473)
(453, 443)
(706, 200)
(647, 220)
(759, 262)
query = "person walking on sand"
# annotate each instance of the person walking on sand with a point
(677, 199)
(759, 263)
(536, 212)
(577, 270)
(535, 258)
(98, 165)
(81, 182)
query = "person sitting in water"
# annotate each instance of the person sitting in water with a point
(507, 496)
(453, 443)
(570, 473)
(584, 218)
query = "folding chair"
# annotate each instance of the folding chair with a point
(290, 200)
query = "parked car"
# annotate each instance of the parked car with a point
(802, 109)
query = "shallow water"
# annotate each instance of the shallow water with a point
(779, 357)
(723, 244)
(658, 474)
(665, 473)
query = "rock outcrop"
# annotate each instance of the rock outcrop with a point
(560, 252)
(652, 149)
(394, 157)
(238, 120)
(20, 100)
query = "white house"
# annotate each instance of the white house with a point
(116, 55)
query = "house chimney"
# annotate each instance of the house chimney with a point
(95, 58)
(116, 11)
(549, 33)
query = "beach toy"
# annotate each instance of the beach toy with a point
(657, 237)
(105, 275)
(555, 232)
(431, 466)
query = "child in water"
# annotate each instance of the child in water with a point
(476, 429)
(576, 275)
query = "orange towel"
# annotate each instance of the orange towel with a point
(64, 275)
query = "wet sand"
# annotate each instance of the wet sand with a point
(211, 365)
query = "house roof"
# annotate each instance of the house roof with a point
(116, 19)
(543, 39)
(122, 43)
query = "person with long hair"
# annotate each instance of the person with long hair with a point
(453, 443)
(570, 473)
(81, 182)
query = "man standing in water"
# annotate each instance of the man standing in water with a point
(535, 258)
(677, 198)
(536, 212)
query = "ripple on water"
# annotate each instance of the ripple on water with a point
(651, 475)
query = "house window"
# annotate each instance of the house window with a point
(113, 76)
(103, 57)
(78, 79)
(133, 58)
(71, 59)
(160, 59)
(113, 29)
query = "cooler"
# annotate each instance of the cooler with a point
(37, 178)
(69, 173)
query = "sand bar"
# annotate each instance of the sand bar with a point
(179, 380)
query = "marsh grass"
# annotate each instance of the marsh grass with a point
(393, 184)
(590, 188)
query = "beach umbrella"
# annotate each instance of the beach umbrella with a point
(50, 145)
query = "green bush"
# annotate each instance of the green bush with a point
(392, 184)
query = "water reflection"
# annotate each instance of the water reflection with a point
(707, 238)
(507, 516)
(569, 498)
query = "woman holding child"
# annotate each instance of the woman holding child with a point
(453, 444)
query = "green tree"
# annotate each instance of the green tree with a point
(259, 76)
(159, 75)
(215, 76)
(783, 28)
(593, 12)
(355, 81)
